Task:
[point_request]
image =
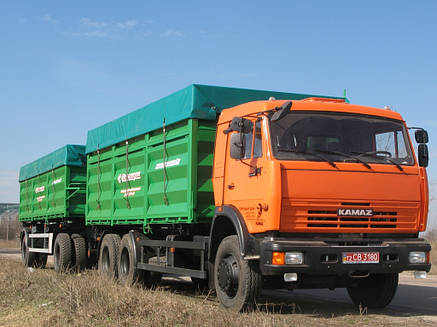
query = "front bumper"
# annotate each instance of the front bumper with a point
(325, 256)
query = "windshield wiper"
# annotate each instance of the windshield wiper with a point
(374, 154)
(346, 155)
(310, 153)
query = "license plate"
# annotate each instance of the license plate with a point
(360, 257)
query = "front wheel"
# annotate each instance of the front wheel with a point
(237, 281)
(375, 291)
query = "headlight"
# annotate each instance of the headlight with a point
(293, 258)
(417, 257)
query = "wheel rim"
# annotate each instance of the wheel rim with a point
(228, 272)
(124, 262)
(105, 259)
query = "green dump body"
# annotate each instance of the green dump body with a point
(53, 186)
(154, 165)
(180, 192)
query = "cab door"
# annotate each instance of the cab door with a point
(246, 179)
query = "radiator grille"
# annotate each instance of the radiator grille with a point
(332, 221)
(322, 216)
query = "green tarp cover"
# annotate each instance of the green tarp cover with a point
(70, 155)
(194, 101)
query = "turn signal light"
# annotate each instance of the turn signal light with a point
(278, 258)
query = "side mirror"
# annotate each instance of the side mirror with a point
(237, 146)
(423, 155)
(421, 136)
(239, 124)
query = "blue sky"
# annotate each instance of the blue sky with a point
(67, 67)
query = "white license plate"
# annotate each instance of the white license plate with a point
(360, 257)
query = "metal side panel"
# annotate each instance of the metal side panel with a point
(55, 194)
(153, 179)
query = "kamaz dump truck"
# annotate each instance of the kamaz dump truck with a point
(240, 190)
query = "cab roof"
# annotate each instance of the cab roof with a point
(309, 104)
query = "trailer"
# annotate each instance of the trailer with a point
(52, 197)
(242, 190)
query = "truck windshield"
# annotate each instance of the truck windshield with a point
(340, 137)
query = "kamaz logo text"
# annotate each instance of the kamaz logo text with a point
(355, 212)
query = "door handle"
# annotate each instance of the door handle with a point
(231, 186)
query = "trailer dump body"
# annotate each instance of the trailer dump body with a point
(154, 165)
(54, 185)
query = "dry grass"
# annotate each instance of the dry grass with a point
(42, 297)
(15, 243)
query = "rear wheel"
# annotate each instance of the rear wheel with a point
(80, 255)
(28, 258)
(108, 258)
(128, 273)
(62, 252)
(375, 291)
(237, 281)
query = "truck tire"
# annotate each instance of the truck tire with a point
(237, 281)
(128, 273)
(375, 291)
(108, 258)
(28, 258)
(62, 252)
(80, 255)
(41, 260)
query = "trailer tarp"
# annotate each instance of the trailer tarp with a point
(69, 155)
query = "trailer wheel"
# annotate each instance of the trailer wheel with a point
(108, 258)
(28, 258)
(62, 252)
(375, 291)
(128, 273)
(237, 281)
(41, 260)
(80, 255)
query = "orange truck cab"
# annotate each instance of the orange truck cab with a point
(324, 194)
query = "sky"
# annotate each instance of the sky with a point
(68, 67)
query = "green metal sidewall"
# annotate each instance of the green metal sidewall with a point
(55, 194)
(137, 189)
